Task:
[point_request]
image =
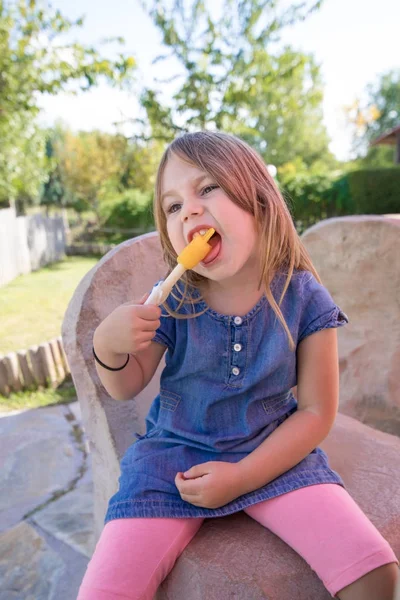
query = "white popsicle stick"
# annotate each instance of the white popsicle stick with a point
(161, 291)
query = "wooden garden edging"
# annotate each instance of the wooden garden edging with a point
(45, 365)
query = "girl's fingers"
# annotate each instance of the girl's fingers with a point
(145, 338)
(146, 326)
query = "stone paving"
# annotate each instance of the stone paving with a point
(46, 522)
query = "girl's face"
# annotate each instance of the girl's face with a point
(192, 199)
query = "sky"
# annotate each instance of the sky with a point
(353, 41)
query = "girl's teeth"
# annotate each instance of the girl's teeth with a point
(201, 232)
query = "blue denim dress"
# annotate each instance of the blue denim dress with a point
(224, 389)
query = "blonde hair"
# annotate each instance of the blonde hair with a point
(242, 174)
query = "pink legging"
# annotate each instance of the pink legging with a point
(321, 522)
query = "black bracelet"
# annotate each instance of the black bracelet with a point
(109, 368)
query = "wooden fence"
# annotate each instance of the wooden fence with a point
(44, 365)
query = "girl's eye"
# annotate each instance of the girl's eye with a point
(174, 207)
(171, 210)
(209, 187)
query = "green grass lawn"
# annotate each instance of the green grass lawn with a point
(32, 309)
(63, 394)
(32, 306)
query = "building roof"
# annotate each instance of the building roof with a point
(389, 137)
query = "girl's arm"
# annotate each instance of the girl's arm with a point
(125, 384)
(302, 432)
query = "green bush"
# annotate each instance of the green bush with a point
(375, 192)
(339, 199)
(312, 198)
(130, 209)
(308, 198)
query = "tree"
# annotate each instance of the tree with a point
(139, 165)
(54, 192)
(234, 78)
(376, 113)
(35, 60)
(96, 168)
(280, 115)
(23, 165)
(88, 162)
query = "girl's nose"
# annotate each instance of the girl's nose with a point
(191, 208)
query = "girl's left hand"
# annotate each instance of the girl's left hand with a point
(210, 485)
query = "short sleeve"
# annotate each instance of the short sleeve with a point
(166, 333)
(319, 311)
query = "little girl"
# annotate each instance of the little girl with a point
(226, 433)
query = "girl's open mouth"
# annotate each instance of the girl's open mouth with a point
(216, 243)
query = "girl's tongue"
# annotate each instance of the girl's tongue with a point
(215, 243)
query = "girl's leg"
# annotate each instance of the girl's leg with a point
(133, 557)
(379, 583)
(328, 529)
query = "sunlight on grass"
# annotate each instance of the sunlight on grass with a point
(64, 394)
(32, 306)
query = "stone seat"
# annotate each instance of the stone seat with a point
(233, 556)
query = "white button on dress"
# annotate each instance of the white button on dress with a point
(237, 347)
(235, 371)
(238, 320)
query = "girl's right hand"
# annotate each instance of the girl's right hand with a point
(129, 329)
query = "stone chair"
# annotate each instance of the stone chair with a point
(234, 556)
(358, 259)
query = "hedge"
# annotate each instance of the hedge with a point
(375, 191)
(315, 197)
